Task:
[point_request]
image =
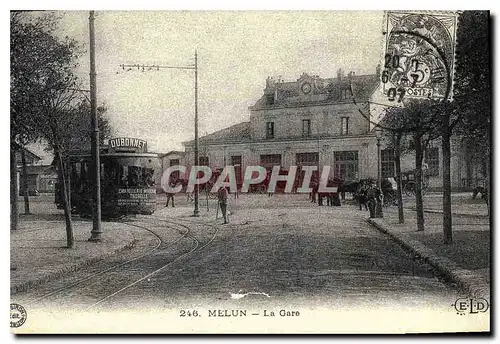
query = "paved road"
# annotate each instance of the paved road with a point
(268, 257)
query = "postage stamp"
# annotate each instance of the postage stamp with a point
(298, 172)
(420, 54)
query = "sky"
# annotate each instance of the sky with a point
(237, 51)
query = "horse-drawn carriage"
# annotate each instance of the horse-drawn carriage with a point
(408, 182)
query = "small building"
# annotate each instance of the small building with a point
(173, 158)
(41, 174)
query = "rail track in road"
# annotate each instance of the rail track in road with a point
(96, 288)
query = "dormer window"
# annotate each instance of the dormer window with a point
(346, 93)
(270, 99)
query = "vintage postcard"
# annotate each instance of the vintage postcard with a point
(298, 172)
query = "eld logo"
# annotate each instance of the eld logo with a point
(471, 305)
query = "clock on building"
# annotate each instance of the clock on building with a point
(306, 88)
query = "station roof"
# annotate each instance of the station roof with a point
(172, 152)
(235, 133)
(324, 91)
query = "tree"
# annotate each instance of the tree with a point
(470, 113)
(415, 121)
(74, 128)
(23, 66)
(445, 127)
(394, 129)
(43, 86)
(472, 88)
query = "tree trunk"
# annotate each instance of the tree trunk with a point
(445, 146)
(419, 202)
(25, 183)
(70, 240)
(14, 212)
(489, 191)
(397, 159)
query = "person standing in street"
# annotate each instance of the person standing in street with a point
(170, 195)
(222, 195)
(314, 185)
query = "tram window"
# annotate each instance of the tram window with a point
(84, 171)
(75, 171)
(148, 176)
(135, 176)
(124, 176)
(113, 173)
(107, 175)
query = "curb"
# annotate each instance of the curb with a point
(465, 279)
(53, 275)
(431, 211)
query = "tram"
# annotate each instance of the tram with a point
(127, 179)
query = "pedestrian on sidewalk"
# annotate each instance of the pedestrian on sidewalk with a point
(222, 195)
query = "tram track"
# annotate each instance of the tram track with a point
(117, 275)
(196, 247)
(114, 267)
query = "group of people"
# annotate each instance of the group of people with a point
(222, 197)
(367, 194)
(332, 198)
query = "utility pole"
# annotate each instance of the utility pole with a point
(96, 190)
(196, 212)
(194, 67)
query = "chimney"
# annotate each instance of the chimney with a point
(340, 74)
(269, 82)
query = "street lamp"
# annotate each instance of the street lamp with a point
(378, 134)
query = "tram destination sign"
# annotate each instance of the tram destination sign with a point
(136, 196)
(127, 143)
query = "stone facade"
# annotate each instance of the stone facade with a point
(315, 121)
(311, 121)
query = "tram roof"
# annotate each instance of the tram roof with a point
(106, 151)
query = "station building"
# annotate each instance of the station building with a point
(318, 122)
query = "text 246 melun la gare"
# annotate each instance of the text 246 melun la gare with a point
(222, 313)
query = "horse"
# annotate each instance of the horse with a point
(361, 193)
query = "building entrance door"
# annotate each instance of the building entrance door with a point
(236, 161)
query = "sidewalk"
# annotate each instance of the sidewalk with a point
(465, 262)
(462, 204)
(38, 250)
